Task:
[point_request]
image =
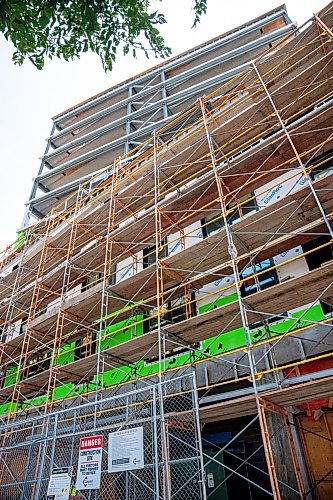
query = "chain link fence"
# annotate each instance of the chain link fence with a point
(173, 467)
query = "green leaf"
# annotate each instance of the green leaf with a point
(67, 28)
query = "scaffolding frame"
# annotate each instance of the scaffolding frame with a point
(184, 175)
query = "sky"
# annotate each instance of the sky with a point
(29, 97)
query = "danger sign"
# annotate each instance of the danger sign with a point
(90, 463)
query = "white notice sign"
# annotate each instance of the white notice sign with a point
(126, 450)
(59, 484)
(90, 463)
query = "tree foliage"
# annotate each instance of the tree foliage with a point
(41, 29)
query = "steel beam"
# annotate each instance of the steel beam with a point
(188, 56)
(201, 68)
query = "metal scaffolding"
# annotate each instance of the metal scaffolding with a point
(97, 261)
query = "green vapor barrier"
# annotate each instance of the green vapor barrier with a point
(124, 331)
(19, 241)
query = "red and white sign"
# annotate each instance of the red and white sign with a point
(90, 463)
(87, 443)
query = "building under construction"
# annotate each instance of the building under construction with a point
(173, 282)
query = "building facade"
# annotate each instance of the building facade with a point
(174, 274)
